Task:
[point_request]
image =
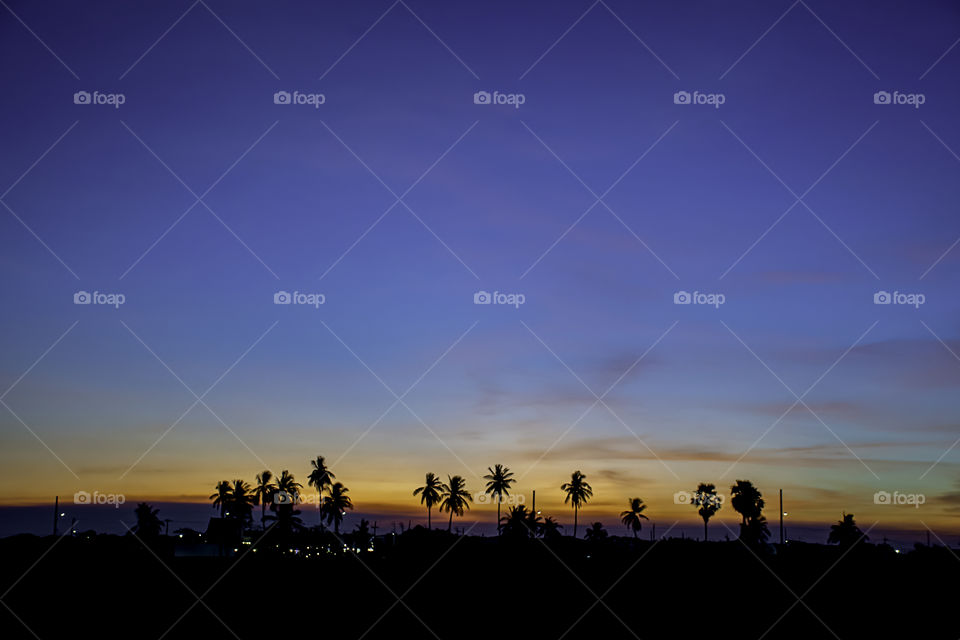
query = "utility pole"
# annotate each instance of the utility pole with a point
(56, 513)
(534, 506)
(781, 516)
(374, 527)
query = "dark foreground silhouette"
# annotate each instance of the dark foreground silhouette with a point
(454, 587)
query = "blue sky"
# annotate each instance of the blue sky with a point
(694, 198)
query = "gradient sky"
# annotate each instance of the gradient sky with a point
(301, 200)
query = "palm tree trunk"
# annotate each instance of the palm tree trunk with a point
(704, 529)
(498, 517)
(428, 518)
(450, 524)
(575, 509)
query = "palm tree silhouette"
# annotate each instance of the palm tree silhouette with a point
(429, 493)
(748, 502)
(632, 516)
(595, 533)
(263, 492)
(288, 485)
(520, 523)
(286, 496)
(578, 493)
(148, 523)
(241, 501)
(222, 496)
(335, 505)
(709, 502)
(846, 533)
(550, 528)
(321, 478)
(455, 498)
(498, 485)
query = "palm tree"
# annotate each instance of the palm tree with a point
(595, 533)
(520, 523)
(748, 502)
(287, 484)
(498, 485)
(241, 501)
(429, 493)
(709, 502)
(222, 496)
(263, 492)
(550, 528)
(148, 523)
(631, 517)
(455, 498)
(335, 505)
(321, 478)
(285, 498)
(846, 533)
(578, 493)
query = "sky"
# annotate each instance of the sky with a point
(585, 168)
